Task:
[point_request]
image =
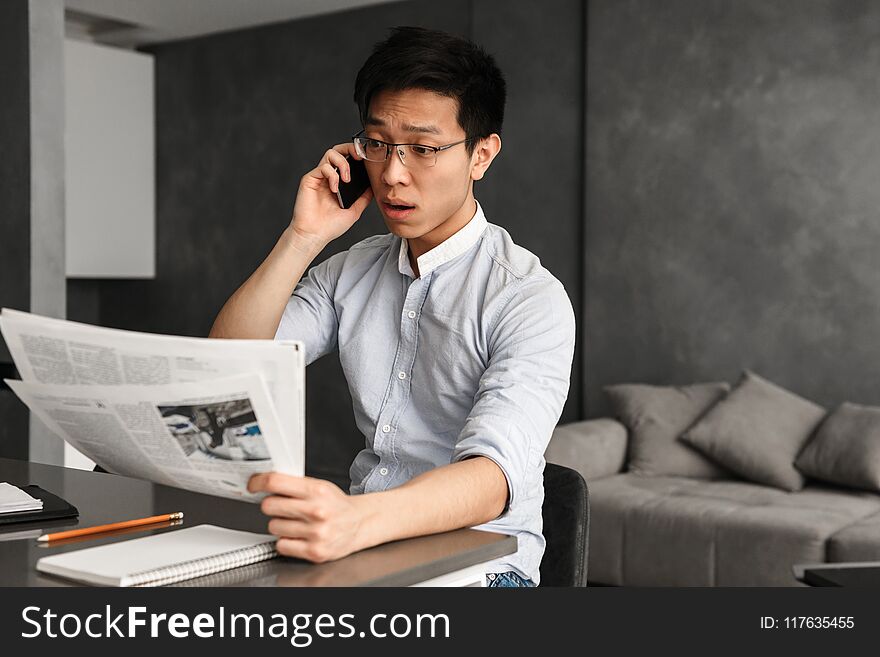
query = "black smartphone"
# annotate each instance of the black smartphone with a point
(351, 191)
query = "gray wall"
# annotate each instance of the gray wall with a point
(535, 189)
(733, 162)
(241, 116)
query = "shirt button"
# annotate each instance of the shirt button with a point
(401, 375)
(411, 314)
(492, 576)
(383, 471)
(386, 428)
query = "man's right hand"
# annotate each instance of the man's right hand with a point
(255, 310)
(317, 217)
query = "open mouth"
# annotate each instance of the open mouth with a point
(397, 211)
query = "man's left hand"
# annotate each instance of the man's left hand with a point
(312, 518)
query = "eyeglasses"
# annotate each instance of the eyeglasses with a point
(414, 156)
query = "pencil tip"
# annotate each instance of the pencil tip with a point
(43, 539)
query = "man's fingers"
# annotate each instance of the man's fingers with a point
(331, 175)
(302, 549)
(285, 528)
(363, 201)
(299, 539)
(281, 484)
(281, 506)
(347, 149)
(292, 547)
(336, 159)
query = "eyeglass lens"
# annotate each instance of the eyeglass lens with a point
(412, 155)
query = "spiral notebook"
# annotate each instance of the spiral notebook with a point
(163, 558)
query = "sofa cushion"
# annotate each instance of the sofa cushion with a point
(618, 494)
(757, 546)
(846, 448)
(676, 531)
(859, 541)
(658, 531)
(757, 432)
(656, 416)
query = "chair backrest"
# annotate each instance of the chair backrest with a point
(566, 513)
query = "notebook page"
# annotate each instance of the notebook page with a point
(109, 564)
(14, 499)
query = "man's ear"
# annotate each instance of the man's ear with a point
(487, 150)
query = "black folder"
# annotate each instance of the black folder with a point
(54, 508)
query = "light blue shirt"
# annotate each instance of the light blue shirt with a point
(472, 358)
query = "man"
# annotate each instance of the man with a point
(455, 342)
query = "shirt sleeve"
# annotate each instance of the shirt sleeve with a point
(310, 314)
(525, 385)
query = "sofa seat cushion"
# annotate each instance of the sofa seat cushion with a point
(858, 542)
(674, 531)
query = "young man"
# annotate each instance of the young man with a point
(456, 343)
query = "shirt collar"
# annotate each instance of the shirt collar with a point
(452, 247)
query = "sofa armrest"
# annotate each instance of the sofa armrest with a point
(595, 448)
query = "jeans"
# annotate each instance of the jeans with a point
(507, 580)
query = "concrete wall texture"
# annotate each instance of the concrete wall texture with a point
(733, 156)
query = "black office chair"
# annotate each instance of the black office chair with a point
(566, 513)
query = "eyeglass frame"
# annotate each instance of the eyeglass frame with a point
(389, 146)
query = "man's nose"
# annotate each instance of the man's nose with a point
(395, 172)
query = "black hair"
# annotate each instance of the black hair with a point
(419, 58)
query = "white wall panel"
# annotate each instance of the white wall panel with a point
(109, 162)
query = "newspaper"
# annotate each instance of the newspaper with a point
(196, 413)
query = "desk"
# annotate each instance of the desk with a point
(450, 559)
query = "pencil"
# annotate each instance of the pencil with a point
(99, 529)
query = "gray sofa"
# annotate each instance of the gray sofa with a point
(680, 531)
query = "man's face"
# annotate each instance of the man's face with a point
(432, 196)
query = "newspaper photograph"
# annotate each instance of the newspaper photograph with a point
(221, 430)
(207, 437)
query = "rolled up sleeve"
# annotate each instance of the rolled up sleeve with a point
(525, 384)
(310, 314)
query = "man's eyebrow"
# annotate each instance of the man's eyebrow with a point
(407, 127)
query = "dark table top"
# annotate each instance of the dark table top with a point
(843, 575)
(105, 498)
